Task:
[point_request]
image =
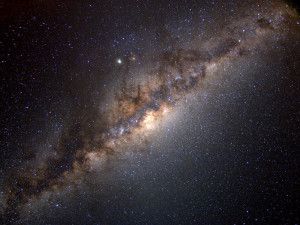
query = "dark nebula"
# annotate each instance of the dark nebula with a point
(148, 112)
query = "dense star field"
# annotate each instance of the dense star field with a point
(149, 112)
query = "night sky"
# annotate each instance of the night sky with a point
(149, 112)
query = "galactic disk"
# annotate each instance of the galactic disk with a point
(159, 113)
